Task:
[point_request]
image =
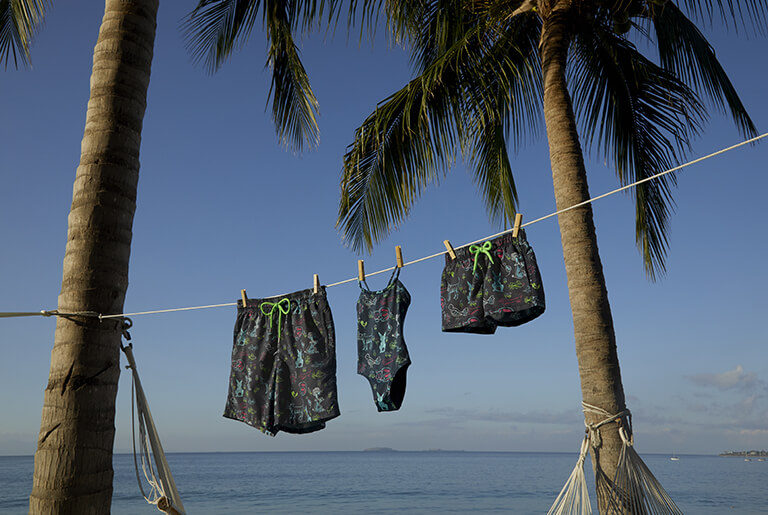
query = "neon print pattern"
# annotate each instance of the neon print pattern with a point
(382, 356)
(283, 374)
(493, 284)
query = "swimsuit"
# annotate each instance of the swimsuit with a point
(382, 356)
(493, 284)
(284, 364)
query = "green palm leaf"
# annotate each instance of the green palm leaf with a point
(685, 52)
(740, 13)
(216, 27)
(640, 115)
(412, 137)
(19, 21)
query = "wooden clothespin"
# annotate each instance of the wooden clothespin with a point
(245, 297)
(317, 283)
(360, 270)
(448, 246)
(518, 221)
(399, 256)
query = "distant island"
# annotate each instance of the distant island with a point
(744, 453)
(390, 449)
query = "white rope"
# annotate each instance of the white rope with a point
(635, 489)
(593, 429)
(575, 206)
(574, 497)
(163, 492)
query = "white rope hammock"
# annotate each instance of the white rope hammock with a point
(163, 492)
(634, 489)
(574, 497)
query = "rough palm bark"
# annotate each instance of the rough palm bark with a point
(593, 325)
(73, 463)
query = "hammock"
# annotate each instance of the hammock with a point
(163, 493)
(574, 497)
(634, 489)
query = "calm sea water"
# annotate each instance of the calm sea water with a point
(407, 482)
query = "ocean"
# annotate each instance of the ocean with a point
(403, 482)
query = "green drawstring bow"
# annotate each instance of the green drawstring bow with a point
(485, 249)
(280, 311)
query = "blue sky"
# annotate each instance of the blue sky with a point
(222, 206)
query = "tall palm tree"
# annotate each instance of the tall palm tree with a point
(487, 71)
(73, 463)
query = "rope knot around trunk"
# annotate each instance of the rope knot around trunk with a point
(596, 440)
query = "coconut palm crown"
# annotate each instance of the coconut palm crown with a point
(478, 87)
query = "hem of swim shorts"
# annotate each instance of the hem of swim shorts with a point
(309, 427)
(530, 314)
(471, 330)
(263, 429)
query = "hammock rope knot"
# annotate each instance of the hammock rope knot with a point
(593, 430)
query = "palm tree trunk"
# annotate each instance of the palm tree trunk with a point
(593, 326)
(73, 462)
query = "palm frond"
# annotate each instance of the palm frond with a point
(216, 27)
(19, 22)
(741, 13)
(294, 106)
(493, 172)
(464, 96)
(503, 105)
(643, 117)
(402, 18)
(685, 52)
(399, 150)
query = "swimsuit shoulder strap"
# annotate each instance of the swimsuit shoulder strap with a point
(395, 275)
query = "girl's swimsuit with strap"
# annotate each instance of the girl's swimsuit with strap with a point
(382, 356)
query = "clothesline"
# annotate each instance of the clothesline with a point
(438, 254)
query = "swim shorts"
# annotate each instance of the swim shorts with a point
(382, 356)
(284, 364)
(496, 283)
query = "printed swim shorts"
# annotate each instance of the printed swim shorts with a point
(382, 356)
(496, 283)
(284, 364)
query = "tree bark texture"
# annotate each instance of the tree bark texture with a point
(593, 325)
(73, 463)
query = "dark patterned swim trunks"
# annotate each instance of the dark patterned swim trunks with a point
(284, 364)
(382, 356)
(496, 283)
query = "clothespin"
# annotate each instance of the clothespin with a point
(245, 297)
(518, 221)
(360, 270)
(448, 246)
(317, 283)
(399, 256)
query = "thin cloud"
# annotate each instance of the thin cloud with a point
(735, 379)
(531, 417)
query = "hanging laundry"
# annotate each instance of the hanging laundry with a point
(283, 374)
(382, 356)
(494, 284)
